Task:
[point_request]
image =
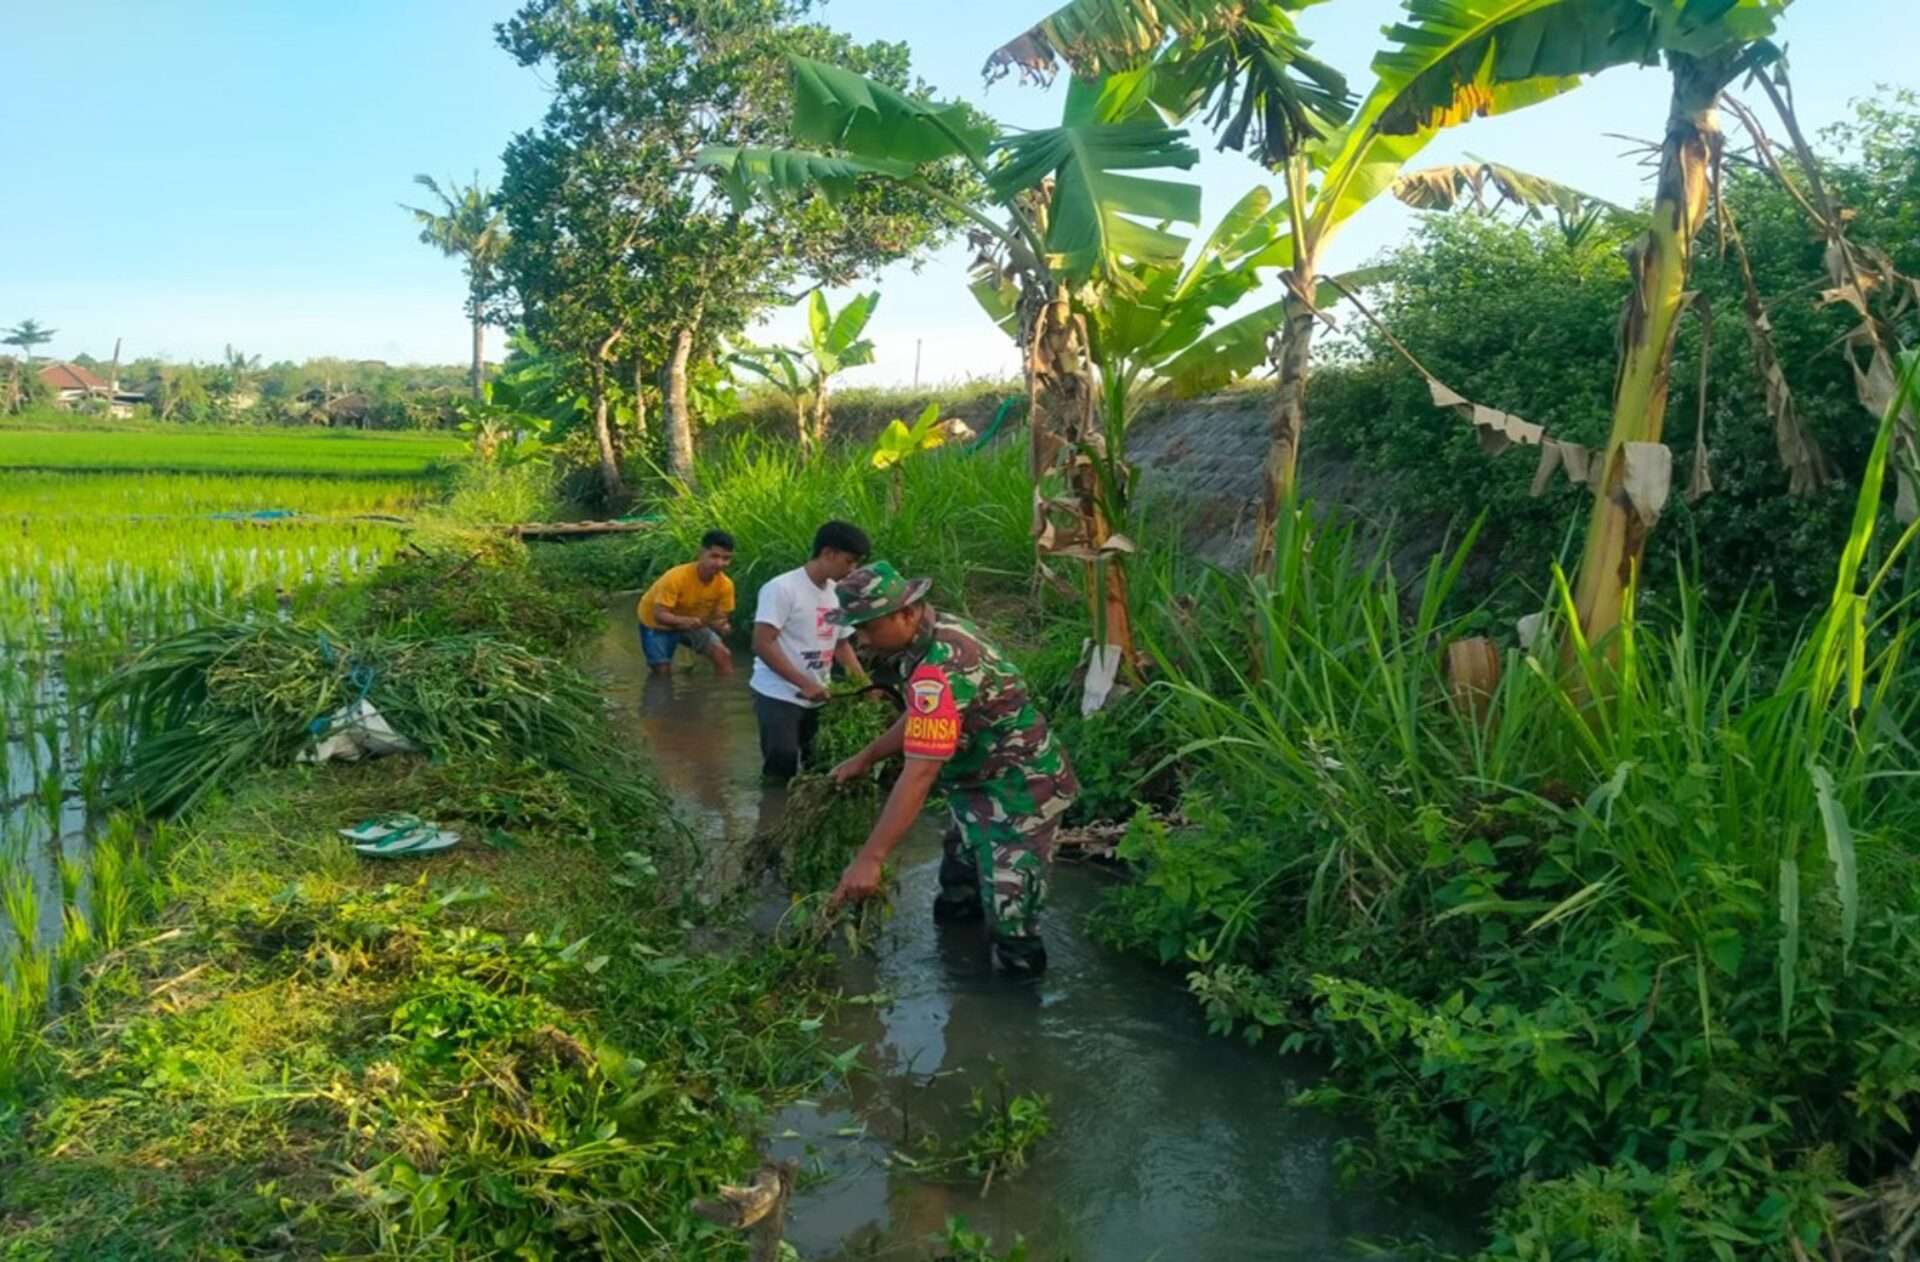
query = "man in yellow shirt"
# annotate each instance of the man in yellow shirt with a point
(690, 604)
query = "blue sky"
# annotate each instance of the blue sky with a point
(225, 172)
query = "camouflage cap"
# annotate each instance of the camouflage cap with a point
(874, 591)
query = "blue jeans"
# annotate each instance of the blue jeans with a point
(659, 645)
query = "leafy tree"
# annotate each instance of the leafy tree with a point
(626, 249)
(570, 262)
(834, 342)
(469, 228)
(181, 393)
(26, 335)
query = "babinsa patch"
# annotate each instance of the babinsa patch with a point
(933, 720)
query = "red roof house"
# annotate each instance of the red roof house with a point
(71, 381)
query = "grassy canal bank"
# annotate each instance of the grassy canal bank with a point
(505, 1050)
(256, 1043)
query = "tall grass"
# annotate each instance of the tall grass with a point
(962, 519)
(1647, 901)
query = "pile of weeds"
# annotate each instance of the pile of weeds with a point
(472, 584)
(607, 563)
(471, 1055)
(210, 704)
(819, 832)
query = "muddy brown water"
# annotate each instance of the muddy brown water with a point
(1168, 1142)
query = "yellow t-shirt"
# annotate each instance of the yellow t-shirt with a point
(680, 591)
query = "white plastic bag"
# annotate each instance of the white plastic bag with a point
(358, 732)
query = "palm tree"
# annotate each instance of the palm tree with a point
(26, 335)
(466, 227)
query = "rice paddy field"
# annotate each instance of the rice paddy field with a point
(208, 449)
(109, 538)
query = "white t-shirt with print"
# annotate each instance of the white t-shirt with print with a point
(799, 609)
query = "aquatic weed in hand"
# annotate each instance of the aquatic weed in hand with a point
(820, 831)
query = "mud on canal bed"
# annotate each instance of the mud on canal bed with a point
(1167, 1142)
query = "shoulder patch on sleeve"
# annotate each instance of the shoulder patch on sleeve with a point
(933, 720)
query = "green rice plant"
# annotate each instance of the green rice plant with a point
(75, 949)
(25, 983)
(21, 902)
(72, 875)
(115, 892)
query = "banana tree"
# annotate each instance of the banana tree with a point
(1144, 337)
(1535, 46)
(1069, 212)
(1448, 62)
(900, 442)
(1245, 65)
(834, 343)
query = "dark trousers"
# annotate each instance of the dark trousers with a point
(964, 898)
(786, 736)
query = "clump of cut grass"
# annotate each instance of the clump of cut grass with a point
(819, 832)
(853, 718)
(228, 697)
(474, 583)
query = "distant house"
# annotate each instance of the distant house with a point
(323, 407)
(71, 384)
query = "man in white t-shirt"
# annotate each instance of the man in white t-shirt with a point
(795, 644)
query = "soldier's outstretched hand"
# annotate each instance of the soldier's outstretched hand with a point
(858, 883)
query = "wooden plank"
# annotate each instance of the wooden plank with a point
(576, 529)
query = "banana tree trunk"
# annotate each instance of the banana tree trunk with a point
(1289, 422)
(1060, 405)
(821, 417)
(679, 420)
(1660, 261)
(610, 483)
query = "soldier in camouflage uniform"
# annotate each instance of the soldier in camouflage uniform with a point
(969, 727)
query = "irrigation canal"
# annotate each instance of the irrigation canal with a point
(1168, 1142)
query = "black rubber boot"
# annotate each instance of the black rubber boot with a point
(958, 911)
(1020, 957)
(958, 902)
